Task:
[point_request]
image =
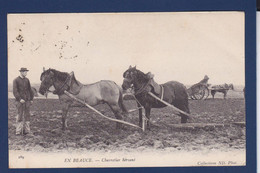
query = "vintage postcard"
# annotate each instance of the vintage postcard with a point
(151, 89)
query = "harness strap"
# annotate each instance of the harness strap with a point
(140, 90)
(58, 90)
(162, 92)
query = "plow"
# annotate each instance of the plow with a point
(174, 126)
(95, 110)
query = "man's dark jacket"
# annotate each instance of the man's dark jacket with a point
(22, 89)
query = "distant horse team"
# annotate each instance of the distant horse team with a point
(108, 92)
(202, 89)
(222, 89)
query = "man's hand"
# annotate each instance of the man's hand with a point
(22, 101)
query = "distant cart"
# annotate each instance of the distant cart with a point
(199, 90)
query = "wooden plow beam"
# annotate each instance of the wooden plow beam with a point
(190, 126)
(111, 119)
(184, 114)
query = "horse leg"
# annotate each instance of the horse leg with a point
(184, 118)
(225, 94)
(116, 110)
(184, 107)
(65, 110)
(147, 114)
(213, 93)
(140, 114)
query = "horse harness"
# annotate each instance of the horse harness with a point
(142, 89)
(59, 90)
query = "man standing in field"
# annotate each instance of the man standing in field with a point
(24, 97)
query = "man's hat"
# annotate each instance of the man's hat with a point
(23, 69)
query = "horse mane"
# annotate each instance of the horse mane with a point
(63, 75)
(59, 75)
(74, 78)
(140, 76)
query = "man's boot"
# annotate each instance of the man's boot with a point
(27, 129)
(19, 128)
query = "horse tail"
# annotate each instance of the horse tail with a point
(120, 101)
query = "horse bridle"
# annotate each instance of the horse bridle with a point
(140, 90)
(58, 91)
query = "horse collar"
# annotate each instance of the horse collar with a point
(58, 91)
(162, 92)
(140, 90)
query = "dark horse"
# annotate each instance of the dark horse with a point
(104, 91)
(172, 92)
(222, 89)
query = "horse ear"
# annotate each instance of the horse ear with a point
(149, 75)
(51, 72)
(43, 69)
(130, 67)
(134, 67)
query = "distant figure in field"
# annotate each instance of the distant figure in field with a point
(205, 80)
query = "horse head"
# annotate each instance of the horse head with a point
(46, 78)
(60, 80)
(136, 79)
(129, 76)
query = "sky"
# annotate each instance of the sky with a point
(180, 46)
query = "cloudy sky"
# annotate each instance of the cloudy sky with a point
(173, 46)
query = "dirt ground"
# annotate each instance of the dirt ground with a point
(88, 131)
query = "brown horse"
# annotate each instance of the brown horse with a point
(104, 91)
(222, 89)
(172, 92)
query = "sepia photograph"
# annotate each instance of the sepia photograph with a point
(137, 89)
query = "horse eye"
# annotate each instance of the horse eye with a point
(131, 74)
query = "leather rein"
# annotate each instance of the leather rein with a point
(58, 91)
